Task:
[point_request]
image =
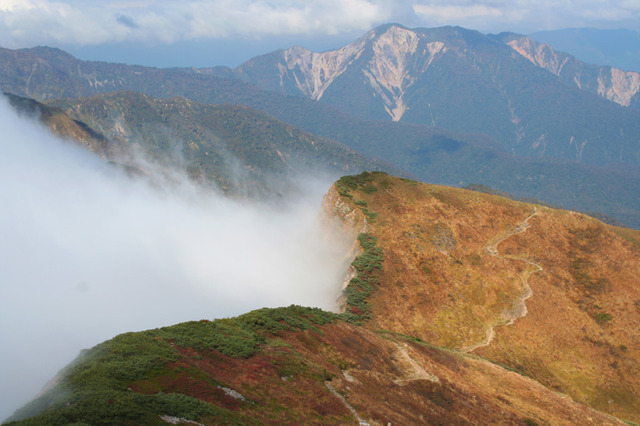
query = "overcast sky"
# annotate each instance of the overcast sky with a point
(321, 25)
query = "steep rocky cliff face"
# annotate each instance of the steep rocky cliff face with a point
(614, 84)
(399, 57)
(552, 294)
(394, 60)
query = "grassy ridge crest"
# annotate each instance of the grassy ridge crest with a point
(95, 388)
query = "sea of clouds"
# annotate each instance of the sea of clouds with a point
(88, 252)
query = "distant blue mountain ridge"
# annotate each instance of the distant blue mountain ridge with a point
(618, 48)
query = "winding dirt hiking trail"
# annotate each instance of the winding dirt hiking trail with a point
(361, 421)
(519, 308)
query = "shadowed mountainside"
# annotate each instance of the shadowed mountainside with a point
(236, 147)
(240, 150)
(60, 123)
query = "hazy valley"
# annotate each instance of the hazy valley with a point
(598, 166)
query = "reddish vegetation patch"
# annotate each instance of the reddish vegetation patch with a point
(385, 378)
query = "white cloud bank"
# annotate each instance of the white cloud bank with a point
(87, 253)
(28, 22)
(25, 23)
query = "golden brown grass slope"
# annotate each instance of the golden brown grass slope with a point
(550, 293)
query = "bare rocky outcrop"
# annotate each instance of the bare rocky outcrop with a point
(618, 86)
(396, 59)
(613, 84)
(400, 57)
(314, 72)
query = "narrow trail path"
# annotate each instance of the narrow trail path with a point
(361, 421)
(415, 370)
(519, 308)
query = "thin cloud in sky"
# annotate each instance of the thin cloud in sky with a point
(451, 12)
(82, 22)
(526, 16)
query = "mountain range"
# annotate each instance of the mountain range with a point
(465, 81)
(428, 153)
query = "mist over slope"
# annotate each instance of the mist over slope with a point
(88, 252)
(430, 154)
(238, 149)
(523, 285)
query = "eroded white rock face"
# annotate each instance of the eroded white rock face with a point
(613, 84)
(618, 86)
(398, 57)
(540, 54)
(314, 72)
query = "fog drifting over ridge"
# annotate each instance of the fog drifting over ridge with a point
(87, 253)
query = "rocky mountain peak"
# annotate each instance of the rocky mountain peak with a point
(395, 56)
(399, 56)
(314, 72)
(392, 54)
